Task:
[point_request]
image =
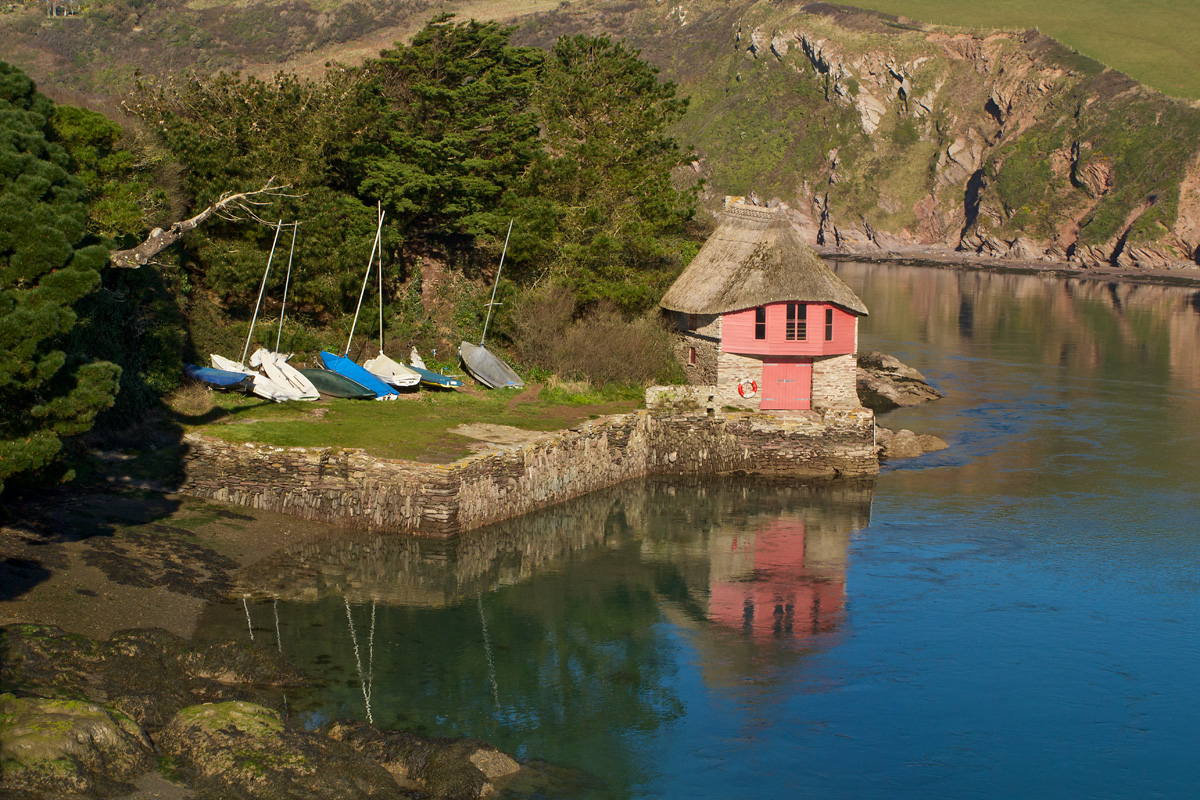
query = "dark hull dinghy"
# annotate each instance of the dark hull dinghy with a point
(335, 385)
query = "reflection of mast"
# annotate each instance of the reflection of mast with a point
(487, 649)
(366, 680)
(249, 622)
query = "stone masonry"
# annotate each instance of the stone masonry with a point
(352, 489)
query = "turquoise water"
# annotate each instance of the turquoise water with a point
(1016, 616)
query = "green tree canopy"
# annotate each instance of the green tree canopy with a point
(121, 195)
(459, 129)
(607, 167)
(43, 271)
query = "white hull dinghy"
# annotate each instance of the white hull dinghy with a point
(283, 373)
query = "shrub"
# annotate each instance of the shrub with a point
(602, 346)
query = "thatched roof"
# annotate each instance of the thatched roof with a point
(756, 257)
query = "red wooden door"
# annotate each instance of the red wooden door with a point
(787, 385)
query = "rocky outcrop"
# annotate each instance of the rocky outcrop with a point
(461, 769)
(146, 674)
(905, 444)
(885, 383)
(240, 750)
(60, 748)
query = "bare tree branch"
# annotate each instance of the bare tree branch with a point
(230, 206)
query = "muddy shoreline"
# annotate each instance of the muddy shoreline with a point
(106, 691)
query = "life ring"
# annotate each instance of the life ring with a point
(747, 388)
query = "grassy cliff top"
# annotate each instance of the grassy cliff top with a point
(1152, 42)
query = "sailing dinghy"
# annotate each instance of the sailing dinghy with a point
(335, 385)
(221, 379)
(483, 365)
(342, 364)
(348, 369)
(263, 385)
(428, 376)
(278, 370)
(388, 370)
(487, 368)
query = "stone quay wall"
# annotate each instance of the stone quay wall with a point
(350, 488)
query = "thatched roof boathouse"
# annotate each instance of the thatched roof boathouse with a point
(762, 320)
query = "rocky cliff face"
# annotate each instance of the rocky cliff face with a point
(888, 136)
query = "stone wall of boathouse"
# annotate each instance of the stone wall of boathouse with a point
(350, 488)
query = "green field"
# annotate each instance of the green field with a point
(1156, 42)
(416, 427)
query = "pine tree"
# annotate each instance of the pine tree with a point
(606, 165)
(458, 130)
(44, 396)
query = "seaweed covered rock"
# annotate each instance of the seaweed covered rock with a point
(241, 750)
(455, 769)
(884, 383)
(65, 748)
(147, 674)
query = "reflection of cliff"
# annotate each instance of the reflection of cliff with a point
(1089, 327)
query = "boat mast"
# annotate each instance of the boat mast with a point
(261, 289)
(287, 282)
(496, 285)
(379, 208)
(366, 278)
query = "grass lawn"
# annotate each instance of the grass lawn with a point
(1153, 41)
(415, 427)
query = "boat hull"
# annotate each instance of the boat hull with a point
(429, 378)
(222, 379)
(347, 368)
(332, 384)
(487, 368)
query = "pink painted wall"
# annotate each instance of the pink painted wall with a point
(737, 332)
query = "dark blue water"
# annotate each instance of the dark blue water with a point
(1016, 616)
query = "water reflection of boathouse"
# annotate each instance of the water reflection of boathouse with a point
(765, 586)
(770, 574)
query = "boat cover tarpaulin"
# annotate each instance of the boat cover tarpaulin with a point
(392, 372)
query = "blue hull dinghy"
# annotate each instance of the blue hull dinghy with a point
(222, 379)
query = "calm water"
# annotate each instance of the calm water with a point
(1017, 616)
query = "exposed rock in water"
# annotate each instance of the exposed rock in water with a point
(61, 748)
(885, 383)
(459, 769)
(241, 750)
(905, 444)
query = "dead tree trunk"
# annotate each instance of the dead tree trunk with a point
(230, 206)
